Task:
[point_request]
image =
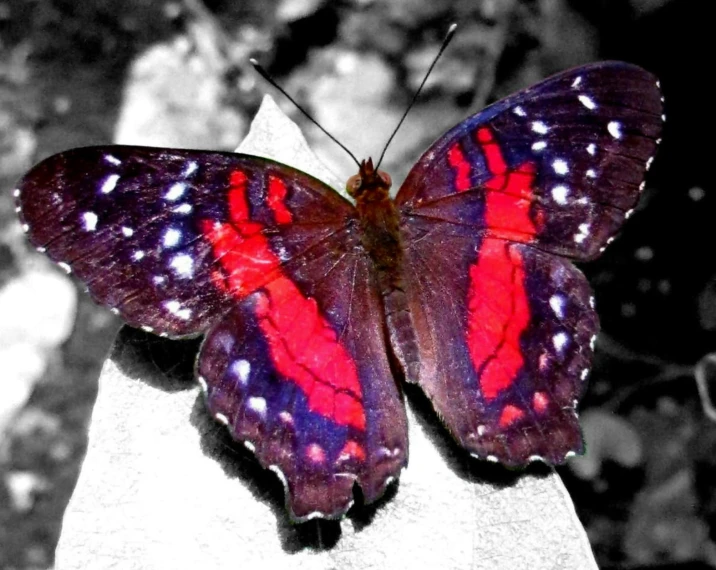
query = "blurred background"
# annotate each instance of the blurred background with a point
(176, 73)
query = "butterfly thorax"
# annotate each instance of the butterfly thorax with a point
(381, 238)
(379, 221)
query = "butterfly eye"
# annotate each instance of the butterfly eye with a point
(354, 184)
(385, 177)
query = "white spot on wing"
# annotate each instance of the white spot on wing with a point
(583, 233)
(221, 418)
(175, 308)
(90, 221)
(520, 112)
(171, 237)
(615, 129)
(591, 173)
(539, 145)
(66, 268)
(592, 149)
(258, 405)
(109, 183)
(175, 192)
(557, 303)
(112, 159)
(16, 192)
(241, 369)
(190, 169)
(560, 166)
(560, 340)
(560, 193)
(127, 232)
(584, 374)
(588, 102)
(577, 81)
(137, 255)
(539, 127)
(183, 209)
(183, 265)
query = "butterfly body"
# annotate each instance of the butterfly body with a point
(305, 300)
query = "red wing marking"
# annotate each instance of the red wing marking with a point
(498, 312)
(276, 200)
(219, 280)
(493, 155)
(459, 163)
(352, 450)
(238, 204)
(304, 347)
(540, 402)
(245, 258)
(315, 453)
(510, 414)
(508, 206)
(498, 308)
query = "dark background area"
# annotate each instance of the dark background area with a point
(177, 74)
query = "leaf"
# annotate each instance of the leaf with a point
(163, 486)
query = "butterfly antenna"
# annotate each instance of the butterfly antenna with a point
(263, 73)
(446, 41)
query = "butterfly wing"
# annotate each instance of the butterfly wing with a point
(569, 154)
(131, 223)
(266, 261)
(299, 372)
(489, 215)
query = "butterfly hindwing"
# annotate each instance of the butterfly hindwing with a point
(503, 340)
(486, 215)
(568, 154)
(307, 385)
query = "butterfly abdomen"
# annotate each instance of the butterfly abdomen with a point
(380, 235)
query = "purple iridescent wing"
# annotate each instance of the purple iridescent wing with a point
(490, 214)
(264, 260)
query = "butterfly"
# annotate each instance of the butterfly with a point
(313, 307)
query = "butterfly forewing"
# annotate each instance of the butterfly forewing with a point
(486, 215)
(570, 152)
(132, 224)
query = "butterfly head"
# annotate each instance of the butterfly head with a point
(370, 183)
